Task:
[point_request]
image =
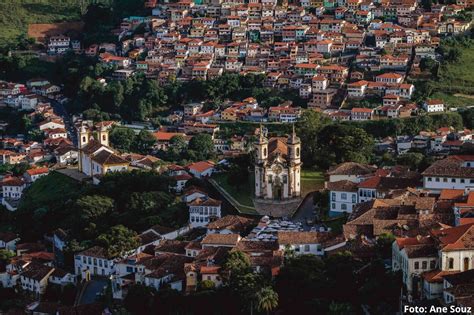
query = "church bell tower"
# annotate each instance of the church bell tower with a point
(261, 148)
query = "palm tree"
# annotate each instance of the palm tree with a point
(267, 299)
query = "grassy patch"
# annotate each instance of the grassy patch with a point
(456, 78)
(242, 194)
(453, 100)
(16, 15)
(311, 180)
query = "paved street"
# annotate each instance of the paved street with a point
(305, 211)
(94, 287)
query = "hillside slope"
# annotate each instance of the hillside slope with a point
(16, 15)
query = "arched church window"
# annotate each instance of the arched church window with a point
(264, 152)
(297, 152)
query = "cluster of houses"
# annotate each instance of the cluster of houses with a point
(55, 148)
(27, 97)
(309, 46)
(430, 214)
(162, 259)
(445, 140)
(32, 268)
(246, 110)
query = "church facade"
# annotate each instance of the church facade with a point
(96, 157)
(277, 167)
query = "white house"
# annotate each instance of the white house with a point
(453, 172)
(12, 189)
(319, 83)
(203, 210)
(35, 278)
(343, 196)
(8, 240)
(52, 124)
(33, 174)
(93, 261)
(201, 169)
(62, 277)
(192, 194)
(414, 256)
(350, 171)
(301, 243)
(433, 106)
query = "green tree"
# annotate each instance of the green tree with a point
(201, 147)
(411, 159)
(344, 143)
(144, 142)
(122, 139)
(237, 263)
(6, 254)
(93, 207)
(207, 285)
(177, 148)
(118, 241)
(267, 299)
(148, 202)
(308, 129)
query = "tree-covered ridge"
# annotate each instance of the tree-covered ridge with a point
(122, 204)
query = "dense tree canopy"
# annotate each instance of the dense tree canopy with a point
(118, 241)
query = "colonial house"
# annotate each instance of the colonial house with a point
(433, 106)
(33, 174)
(201, 169)
(12, 190)
(93, 261)
(343, 196)
(302, 243)
(203, 210)
(230, 224)
(453, 172)
(350, 171)
(35, 278)
(224, 240)
(8, 240)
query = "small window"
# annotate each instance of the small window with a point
(445, 179)
(344, 196)
(306, 248)
(333, 206)
(343, 206)
(417, 265)
(424, 264)
(451, 263)
(437, 179)
(462, 180)
(453, 180)
(433, 264)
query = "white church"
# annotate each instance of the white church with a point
(277, 167)
(96, 157)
